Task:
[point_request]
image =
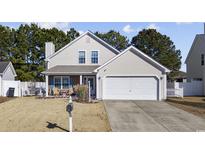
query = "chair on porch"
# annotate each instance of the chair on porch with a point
(56, 91)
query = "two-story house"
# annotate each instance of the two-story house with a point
(112, 74)
(195, 59)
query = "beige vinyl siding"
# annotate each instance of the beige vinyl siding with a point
(193, 62)
(8, 74)
(130, 64)
(70, 55)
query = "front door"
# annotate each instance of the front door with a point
(90, 79)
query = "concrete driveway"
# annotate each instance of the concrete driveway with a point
(146, 116)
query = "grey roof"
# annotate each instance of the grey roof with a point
(72, 69)
(3, 66)
(181, 74)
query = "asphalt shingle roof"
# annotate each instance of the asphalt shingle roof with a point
(3, 66)
(71, 69)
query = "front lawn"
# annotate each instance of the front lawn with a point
(29, 114)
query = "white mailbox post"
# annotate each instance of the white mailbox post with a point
(69, 109)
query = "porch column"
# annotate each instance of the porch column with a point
(46, 85)
(81, 80)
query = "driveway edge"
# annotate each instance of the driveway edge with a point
(108, 117)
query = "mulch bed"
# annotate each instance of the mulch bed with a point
(191, 109)
(199, 104)
(194, 105)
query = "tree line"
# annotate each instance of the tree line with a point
(25, 47)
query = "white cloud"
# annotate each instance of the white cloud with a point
(81, 32)
(153, 26)
(59, 25)
(128, 29)
(183, 23)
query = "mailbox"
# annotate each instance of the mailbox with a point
(69, 107)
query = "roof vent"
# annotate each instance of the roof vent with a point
(87, 40)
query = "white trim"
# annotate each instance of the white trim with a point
(64, 73)
(79, 57)
(81, 80)
(137, 50)
(159, 88)
(133, 75)
(86, 33)
(97, 86)
(165, 86)
(103, 88)
(159, 97)
(47, 82)
(94, 81)
(91, 57)
(60, 81)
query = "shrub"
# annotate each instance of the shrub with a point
(82, 93)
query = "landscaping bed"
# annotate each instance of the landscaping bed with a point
(29, 114)
(191, 101)
(4, 99)
(194, 105)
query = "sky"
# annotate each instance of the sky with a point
(182, 34)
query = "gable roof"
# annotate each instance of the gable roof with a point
(197, 38)
(4, 65)
(86, 33)
(138, 51)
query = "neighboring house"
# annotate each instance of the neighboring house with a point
(195, 60)
(128, 75)
(7, 72)
(195, 63)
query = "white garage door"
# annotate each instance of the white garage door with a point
(130, 88)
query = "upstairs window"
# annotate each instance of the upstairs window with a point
(81, 57)
(202, 59)
(94, 57)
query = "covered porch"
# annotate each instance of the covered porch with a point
(60, 80)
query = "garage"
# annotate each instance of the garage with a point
(130, 88)
(131, 75)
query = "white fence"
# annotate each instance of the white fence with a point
(11, 84)
(32, 88)
(175, 92)
(193, 88)
(23, 88)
